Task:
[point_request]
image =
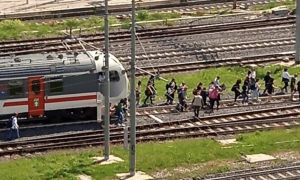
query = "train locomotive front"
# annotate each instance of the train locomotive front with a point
(58, 85)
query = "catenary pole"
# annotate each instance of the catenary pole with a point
(297, 48)
(132, 152)
(107, 86)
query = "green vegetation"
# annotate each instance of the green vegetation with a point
(16, 29)
(152, 157)
(228, 75)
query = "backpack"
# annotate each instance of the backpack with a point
(214, 94)
(167, 86)
(233, 88)
(9, 123)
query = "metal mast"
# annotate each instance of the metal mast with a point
(132, 152)
(297, 58)
(107, 86)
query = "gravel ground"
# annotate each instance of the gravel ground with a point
(198, 173)
(141, 120)
(184, 115)
(206, 39)
(203, 41)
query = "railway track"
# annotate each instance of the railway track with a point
(203, 64)
(145, 111)
(289, 171)
(232, 123)
(57, 44)
(190, 49)
(224, 104)
(123, 11)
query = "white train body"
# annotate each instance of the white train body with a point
(39, 85)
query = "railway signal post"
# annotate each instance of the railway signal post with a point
(297, 58)
(107, 87)
(132, 151)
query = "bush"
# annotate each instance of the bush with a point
(142, 15)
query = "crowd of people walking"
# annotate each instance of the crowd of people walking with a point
(248, 89)
(208, 99)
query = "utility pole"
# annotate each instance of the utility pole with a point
(107, 87)
(297, 58)
(234, 4)
(132, 151)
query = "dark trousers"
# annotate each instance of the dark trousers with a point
(286, 85)
(147, 97)
(204, 97)
(236, 95)
(13, 134)
(182, 104)
(212, 104)
(120, 117)
(196, 111)
(245, 97)
(170, 98)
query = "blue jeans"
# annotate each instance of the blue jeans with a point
(120, 117)
(13, 134)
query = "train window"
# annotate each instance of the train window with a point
(36, 86)
(16, 87)
(3, 90)
(114, 76)
(56, 85)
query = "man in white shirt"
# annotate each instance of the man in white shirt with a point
(217, 81)
(14, 130)
(285, 79)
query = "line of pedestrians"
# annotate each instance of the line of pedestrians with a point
(247, 89)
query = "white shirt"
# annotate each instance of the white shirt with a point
(15, 123)
(285, 75)
(253, 74)
(217, 82)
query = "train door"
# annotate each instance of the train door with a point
(36, 94)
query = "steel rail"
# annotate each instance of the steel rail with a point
(122, 11)
(291, 171)
(219, 122)
(55, 44)
(185, 132)
(197, 65)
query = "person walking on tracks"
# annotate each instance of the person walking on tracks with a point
(285, 79)
(138, 92)
(197, 103)
(236, 89)
(245, 96)
(120, 113)
(213, 94)
(182, 92)
(293, 86)
(14, 127)
(267, 81)
(171, 88)
(298, 88)
(149, 92)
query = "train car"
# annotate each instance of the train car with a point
(58, 85)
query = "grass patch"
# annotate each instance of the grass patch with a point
(228, 75)
(151, 157)
(16, 29)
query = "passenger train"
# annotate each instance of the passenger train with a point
(58, 85)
